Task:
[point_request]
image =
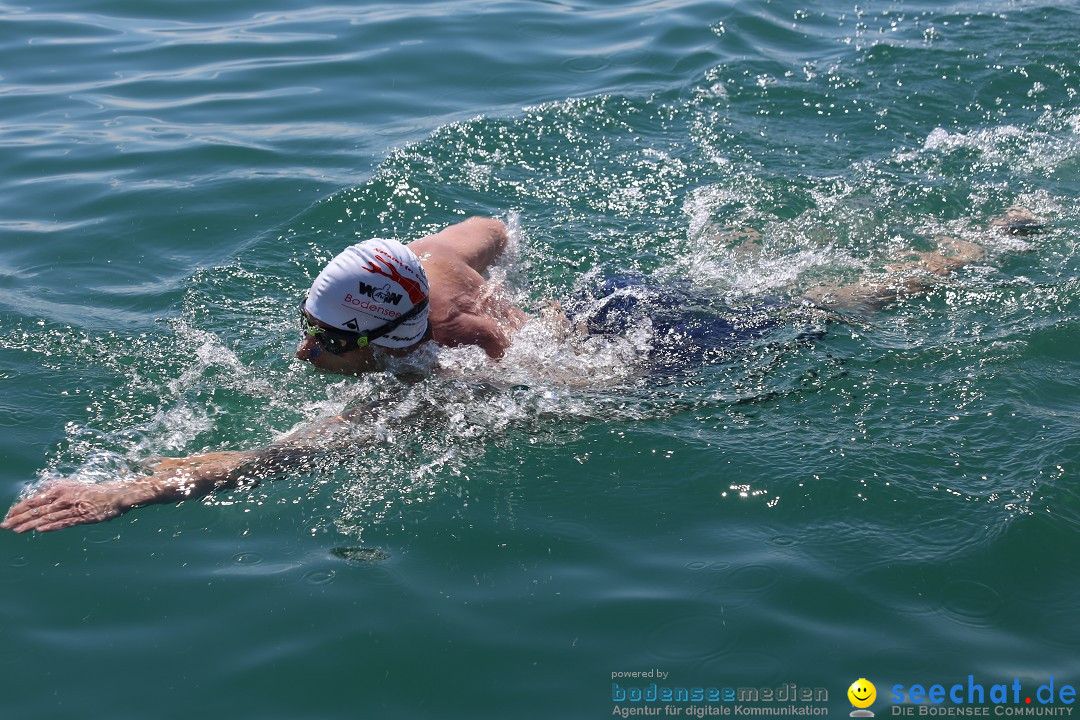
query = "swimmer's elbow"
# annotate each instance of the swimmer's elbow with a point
(493, 226)
(493, 231)
(497, 350)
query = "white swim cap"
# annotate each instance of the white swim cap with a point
(369, 285)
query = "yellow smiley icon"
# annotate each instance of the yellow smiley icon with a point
(862, 693)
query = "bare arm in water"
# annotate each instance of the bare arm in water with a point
(63, 504)
(918, 272)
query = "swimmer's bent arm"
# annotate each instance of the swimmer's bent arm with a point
(63, 504)
(477, 241)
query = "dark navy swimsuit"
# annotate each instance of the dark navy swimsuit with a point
(689, 327)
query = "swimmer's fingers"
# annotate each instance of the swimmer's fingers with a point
(35, 511)
(27, 508)
(61, 506)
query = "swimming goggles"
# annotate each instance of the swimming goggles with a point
(336, 341)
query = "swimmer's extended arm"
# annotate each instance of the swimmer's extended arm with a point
(918, 272)
(913, 275)
(65, 504)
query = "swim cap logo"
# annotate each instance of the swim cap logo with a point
(381, 295)
(385, 267)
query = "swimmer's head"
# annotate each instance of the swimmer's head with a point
(369, 286)
(372, 295)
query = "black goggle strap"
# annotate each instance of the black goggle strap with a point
(361, 340)
(388, 327)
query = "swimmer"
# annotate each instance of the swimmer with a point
(381, 299)
(376, 300)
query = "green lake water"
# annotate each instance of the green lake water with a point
(895, 500)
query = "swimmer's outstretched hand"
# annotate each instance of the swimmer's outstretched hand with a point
(65, 503)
